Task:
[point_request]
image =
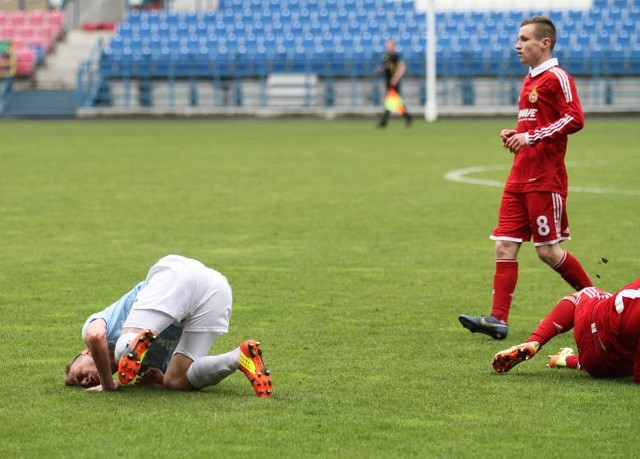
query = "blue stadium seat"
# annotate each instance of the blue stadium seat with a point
(624, 39)
(497, 17)
(191, 17)
(505, 38)
(125, 29)
(563, 38)
(584, 36)
(630, 25)
(134, 17)
(484, 39)
(601, 39)
(613, 13)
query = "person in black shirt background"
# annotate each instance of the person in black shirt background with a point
(393, 68)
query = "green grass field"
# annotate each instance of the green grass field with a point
(350, 257)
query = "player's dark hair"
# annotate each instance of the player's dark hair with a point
(544, 28)
(67, 369)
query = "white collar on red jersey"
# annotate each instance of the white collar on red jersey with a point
(546, 65)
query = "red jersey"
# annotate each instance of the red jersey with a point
(609, 326)
(549, 110)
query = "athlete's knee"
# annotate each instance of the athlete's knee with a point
(506, 249)
(550, 254)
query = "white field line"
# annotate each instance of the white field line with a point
(462, 176)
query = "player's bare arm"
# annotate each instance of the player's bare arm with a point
(96, 339)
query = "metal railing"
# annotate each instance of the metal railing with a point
(467, 81)
(5, 92)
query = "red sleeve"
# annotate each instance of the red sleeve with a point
(571, 117)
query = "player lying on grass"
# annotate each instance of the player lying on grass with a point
(606, 329)
(159, 335)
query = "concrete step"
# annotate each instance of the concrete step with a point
(59, 70)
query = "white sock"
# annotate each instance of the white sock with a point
(210, 370)
(122, 345)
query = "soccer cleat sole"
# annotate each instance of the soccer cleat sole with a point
(252, 365)
(505, 360)
(130, 364)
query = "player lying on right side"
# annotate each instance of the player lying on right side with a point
(606, 331)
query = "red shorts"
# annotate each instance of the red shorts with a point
(594, 359)
(593, 355)
(539, 214)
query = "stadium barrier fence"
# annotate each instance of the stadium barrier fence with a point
(5, 92)
(467, 83)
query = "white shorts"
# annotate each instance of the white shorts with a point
(195, 297)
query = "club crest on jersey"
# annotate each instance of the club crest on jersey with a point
(533, 96)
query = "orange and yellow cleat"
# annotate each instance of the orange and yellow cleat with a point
(252, 365)
(505, 360)
(130, 364)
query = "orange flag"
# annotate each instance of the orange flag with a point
(393, 102)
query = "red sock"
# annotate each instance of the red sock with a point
(559, 320)
(573, 362)
(504, 284)
(572, 272)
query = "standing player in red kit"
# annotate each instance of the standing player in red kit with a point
(606, 329)
(534, 197)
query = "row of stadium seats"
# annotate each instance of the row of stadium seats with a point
(336, 4)
(614, 3)
(407, 44)
(32, 17)
(262, 30)
(356, 23)
(33, 34)
(452, 21)
(624, 35)
(346, 62)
